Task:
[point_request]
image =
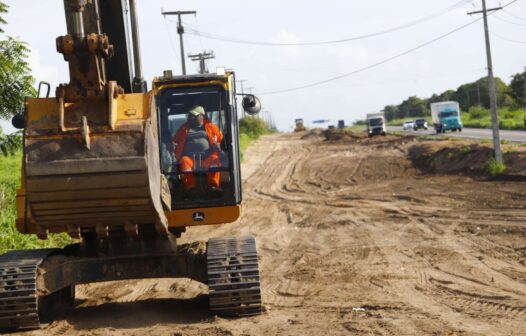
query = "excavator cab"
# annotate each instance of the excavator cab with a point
(204, 185)
(215, 172)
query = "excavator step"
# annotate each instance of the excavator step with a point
(233, 276)
(19, 301)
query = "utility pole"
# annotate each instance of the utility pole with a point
(478, 93)
(491, 79)
(180, 31)
(202, 57)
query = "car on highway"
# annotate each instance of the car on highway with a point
(420, 123)
(408, 124)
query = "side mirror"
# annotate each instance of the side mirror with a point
(251, 104)
(18, 121)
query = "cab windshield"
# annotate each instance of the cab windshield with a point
(376, 122)
(447, 114)
(195, 158)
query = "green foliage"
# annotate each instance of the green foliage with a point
(465, 150)
(3, 10)
(495, 168)
(10, 143)
(479, 117)
(472, 97)
(517, 88)
(250, 129)
(16, 81)
(10, 238)
(361, 122)
(254, 127)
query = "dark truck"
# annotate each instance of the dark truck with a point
(420, 123)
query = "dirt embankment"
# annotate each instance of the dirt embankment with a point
(357, 236)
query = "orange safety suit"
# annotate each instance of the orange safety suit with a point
(186, 163)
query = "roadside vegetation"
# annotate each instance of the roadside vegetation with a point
(10, 238)
(250, 129)
(495, 168)
(474, 103)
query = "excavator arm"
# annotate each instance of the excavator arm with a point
(118, 20)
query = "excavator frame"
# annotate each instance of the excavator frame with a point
(92, 170)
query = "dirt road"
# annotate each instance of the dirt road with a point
(354, 240)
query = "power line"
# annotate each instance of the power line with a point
(505, 38)
(170, 37)
(510, 22)
(360, 37)
(513, 15)
(374, 65)
(180, 31)
(400, 80)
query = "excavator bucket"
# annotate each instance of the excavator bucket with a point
(91, 175)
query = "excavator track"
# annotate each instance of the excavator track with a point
(18, 290)
(233, 277)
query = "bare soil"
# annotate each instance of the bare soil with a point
(384, 236)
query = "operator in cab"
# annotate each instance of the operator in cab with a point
(197, 146)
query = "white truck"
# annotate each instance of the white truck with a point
(446, 116)
(375, 124)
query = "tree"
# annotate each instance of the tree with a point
(412, 107)
(16, 81)
(9, 143)
(517, 88)
(254, 127)
(390, 112)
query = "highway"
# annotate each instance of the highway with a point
(468, 133)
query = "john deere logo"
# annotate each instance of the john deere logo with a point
(198, 216)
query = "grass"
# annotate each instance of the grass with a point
(495, 168)
(244, 141)
(465, 150)
(10, 238)
(478, 117)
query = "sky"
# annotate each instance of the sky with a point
(441, 65)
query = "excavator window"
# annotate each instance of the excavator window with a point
(198, 171)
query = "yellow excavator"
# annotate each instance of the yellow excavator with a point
(300, 127)
(99, 165)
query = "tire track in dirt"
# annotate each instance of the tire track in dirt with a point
(352, 240)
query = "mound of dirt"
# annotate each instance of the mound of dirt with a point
(435, 158)
(314, 133)
(461, 158)
(516, 163)
(343, 135)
